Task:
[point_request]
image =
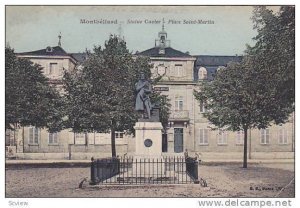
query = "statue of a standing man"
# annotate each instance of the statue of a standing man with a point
(144, 89)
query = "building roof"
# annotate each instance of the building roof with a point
(48, 51)
(169, 52)
(211, 72)
(79, 57)
(204, 60)
(212, 63)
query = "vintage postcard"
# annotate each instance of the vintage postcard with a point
(150, 102)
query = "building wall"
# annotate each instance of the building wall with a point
(196, 121)
(180, 69)
(66, 143)
(62, 63)
(189, 118)
(67, 146)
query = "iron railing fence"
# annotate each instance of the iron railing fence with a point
(133, 170)
(192, 168)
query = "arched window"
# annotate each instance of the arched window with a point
(202, 74)
(49, 49)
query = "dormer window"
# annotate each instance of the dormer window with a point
(49, 49)
(161, 51)
(220, 68)
(202, 74)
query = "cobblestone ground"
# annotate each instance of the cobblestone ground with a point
(223, 181)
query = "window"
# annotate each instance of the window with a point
(283, 136)
(220, 68)
(222, 137)
(161, 51)
(202, 107)
(240, 137)
(53, 138)
(99, 138)
(79, 138)
(264, 136)
(203, 139)
(119, 134)
(7, 137)
(178, 70)
(202, 74)
(53, 69)
(34, 134)
(49, 49)
(91, 138)
(179, 103)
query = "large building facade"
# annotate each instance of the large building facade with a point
(188, 130)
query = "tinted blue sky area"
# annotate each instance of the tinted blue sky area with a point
(201, 30)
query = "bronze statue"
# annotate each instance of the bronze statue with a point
(142, 102)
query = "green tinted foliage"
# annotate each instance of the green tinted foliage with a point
(29, 99)
(101, 96)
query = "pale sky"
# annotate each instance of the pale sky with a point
(36, 27)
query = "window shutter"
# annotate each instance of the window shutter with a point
(281, 136)
(55, 138)
(262, 136)
(205, 136)
(201, 136)
(50, 138)
(267, 132)
(30, 135)
(36, 135)
(203, 139)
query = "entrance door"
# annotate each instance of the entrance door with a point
(178, 140)
(164, 142)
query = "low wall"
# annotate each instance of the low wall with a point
(202, 156)
(59, 156)
(239, 155)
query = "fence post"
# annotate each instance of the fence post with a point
(119, 160)
(196, 171)
(192, 168)
(93, 178)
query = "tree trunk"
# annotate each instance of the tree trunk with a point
(23, 139)
(245, 148)
(113, 142)
(250, 145)
(86, 137)
(14, 141)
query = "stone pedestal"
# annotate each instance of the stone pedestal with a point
(148, 139)
(148, 160)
